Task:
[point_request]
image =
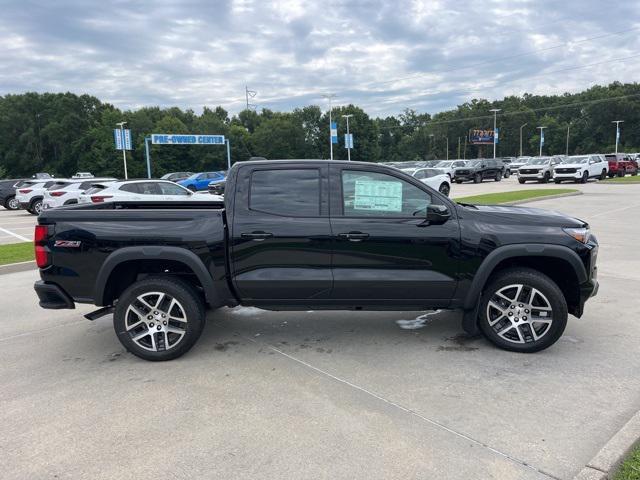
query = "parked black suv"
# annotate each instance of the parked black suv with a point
(8, 194)
(316, 235)
(478, 170)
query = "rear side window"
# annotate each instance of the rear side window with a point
(149, 188)
(48, 184)
(290, 193)
(172, 189)
(130, 187)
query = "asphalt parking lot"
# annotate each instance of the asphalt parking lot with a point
(326, 394)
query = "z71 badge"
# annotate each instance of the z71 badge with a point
(67, 243)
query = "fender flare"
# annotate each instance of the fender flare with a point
(177, 254)
(470, 304)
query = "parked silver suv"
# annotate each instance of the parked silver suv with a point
(539, 169)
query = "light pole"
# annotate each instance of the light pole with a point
(521, 127)
(432, 142)
(541, 139)
(124, 150)
(330, 97)
(567, 150)
(458, 148)
(348, 138)
(447, 147)
(617, 122)
(495, 113)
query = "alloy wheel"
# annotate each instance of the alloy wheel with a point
(156, 321)
(444, 189)
(520, 313)
(13, 204)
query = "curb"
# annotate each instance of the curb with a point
(17, 267)
(604, 465)
(539, 199)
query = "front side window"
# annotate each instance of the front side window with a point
(290, 193)
(367, 194)
(131, 188)
(172, 189)
(149, 188)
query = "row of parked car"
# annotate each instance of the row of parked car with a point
(559, 168)
(45, 192)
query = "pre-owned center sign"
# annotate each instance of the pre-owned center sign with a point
(174, 139)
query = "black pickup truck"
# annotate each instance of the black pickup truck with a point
(316, 235)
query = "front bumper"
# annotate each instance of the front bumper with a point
(465, 177)
(52, 296)
(531, 176)
(568, 176)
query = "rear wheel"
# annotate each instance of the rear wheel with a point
(458, 181)
(444, 189)
(507, 173)
(621, 173)
(557, 180)
(522, 310)
(36, 207)
(12, 204)
(603, 175)
(192, 188)
(498, 176)
(159, 318)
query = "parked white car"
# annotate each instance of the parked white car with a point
(138, 190)
(539, 169)
(434, 177)
(580, 168)
(449, 166)
(67, 192)
(517, 163)
(30, 194)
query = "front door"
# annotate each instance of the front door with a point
(281, 237)
(385, 252)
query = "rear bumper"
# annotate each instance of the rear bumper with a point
(52, 296)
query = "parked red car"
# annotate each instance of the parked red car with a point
(621, 164)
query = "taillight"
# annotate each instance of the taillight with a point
(58, 193)
(39, 242)
(25, 190)
(100, 198)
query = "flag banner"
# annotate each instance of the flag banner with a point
(348, 140)
(334, 132)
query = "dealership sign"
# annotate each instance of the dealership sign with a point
(174, 139)
(482, 137)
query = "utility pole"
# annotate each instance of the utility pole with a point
(464, 152)
(348, 139)
(567, 150)
(447, 147)
(249, 94)
(124, 150)
(495, 113)
(432, 142)
(541, 139)
(521, 127)
(330, 97)
(617, 122)
(458, 148)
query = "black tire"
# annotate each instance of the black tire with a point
(621, 173)
(557, 180)
(603, 175)
(521, 180)
(458, 181)
(477, 178)
(36, 207)
(444, 189)
(498, 176)
(546, 177)
(11, 203)
(634, 173)
(193, 310)
(530, 279)
(585, 177)
(610, 175)
(507, 173)
(192, 188)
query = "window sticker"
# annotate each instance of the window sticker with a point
(378, 195)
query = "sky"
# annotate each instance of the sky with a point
(383, 55)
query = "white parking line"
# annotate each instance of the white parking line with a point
(19, 237)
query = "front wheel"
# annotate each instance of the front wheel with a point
(444, 189)
(523, 310)
(521, 180)
(12, 204)
(546, 177)
(159, 318)
(585, 177)
(477, 178)
(507, 173)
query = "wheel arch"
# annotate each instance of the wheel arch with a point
(559, 263)
(122, 267)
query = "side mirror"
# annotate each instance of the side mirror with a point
(437, 214)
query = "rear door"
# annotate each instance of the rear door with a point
(384, 251)
(280, 234)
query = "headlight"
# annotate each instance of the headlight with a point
(580, 234)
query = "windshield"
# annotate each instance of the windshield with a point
(576, 160)
(538, 161)
(432, 172)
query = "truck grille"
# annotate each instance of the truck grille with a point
(462, 172)
(565, 170)
(527, 171)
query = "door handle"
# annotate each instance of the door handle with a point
(354, 236)
(257, 236)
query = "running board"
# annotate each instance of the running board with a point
(99, 313)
